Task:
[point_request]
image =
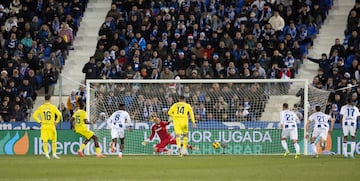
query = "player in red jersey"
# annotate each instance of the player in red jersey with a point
(159, 127)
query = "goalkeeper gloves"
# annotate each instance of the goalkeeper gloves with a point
(170, 119)
(145, 142)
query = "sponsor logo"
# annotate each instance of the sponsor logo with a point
(14, 145)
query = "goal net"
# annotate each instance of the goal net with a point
(241, 114)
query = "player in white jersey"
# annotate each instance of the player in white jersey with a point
(348, 118)
(321, 128)
(288, 124)
(117, 123)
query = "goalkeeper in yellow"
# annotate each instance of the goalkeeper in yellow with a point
(78, 122)
(49, 117)
(179, 113)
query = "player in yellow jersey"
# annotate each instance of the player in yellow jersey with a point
(78, 122)
(179, 113)
(47, 113)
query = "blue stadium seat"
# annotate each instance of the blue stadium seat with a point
(348, 61)
(47, 52)
(67, 10)
(303, 49)
(312, 30)
(346, 39)
(39, 79)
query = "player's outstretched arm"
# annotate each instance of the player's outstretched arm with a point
(145, 142)
(169, 120)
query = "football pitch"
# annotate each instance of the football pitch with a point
(161, 167)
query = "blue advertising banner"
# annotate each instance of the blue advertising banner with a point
(30, 126)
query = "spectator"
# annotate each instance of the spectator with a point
(66, 115)
(324, 63)
(60, 45)
(27, 91)
(353, 43)
(50, 76)
(194, 74)
(113, 12)
(277, 22)
(17, 114)
(221, 106)
(191, 68)
(317, 14)
(219, 72)
(55, 61)
(91, 69)
(352, 21)
(339, 48)
(23, 105)
(81, 93)
(275, 72)
(5, 109)
(289, 62)
(167, 74)
(72, 102)
(206, 69)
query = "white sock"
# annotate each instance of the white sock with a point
(352, 148)
(313, 147)
(345, 148)
(297, 148)
(118, 148)
(284, 145)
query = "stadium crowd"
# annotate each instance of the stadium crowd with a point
(152, 40)
(35, 37)
(203, 39)
(340, 67)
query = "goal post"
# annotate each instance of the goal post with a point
(241, 114)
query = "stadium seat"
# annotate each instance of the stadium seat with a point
(312, 31)
(348, 61)
(39, 79)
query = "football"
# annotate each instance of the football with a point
(216, 145)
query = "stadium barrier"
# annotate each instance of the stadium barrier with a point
(241, 141)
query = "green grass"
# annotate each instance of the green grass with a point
(159, 167)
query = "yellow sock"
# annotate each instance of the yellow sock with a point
(53, 147)
(178, 142)
(82, 147)
(185, 142)
(45, 147)
(97, 149)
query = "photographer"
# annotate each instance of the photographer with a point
(300, 94)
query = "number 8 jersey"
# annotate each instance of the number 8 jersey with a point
(119, 119)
